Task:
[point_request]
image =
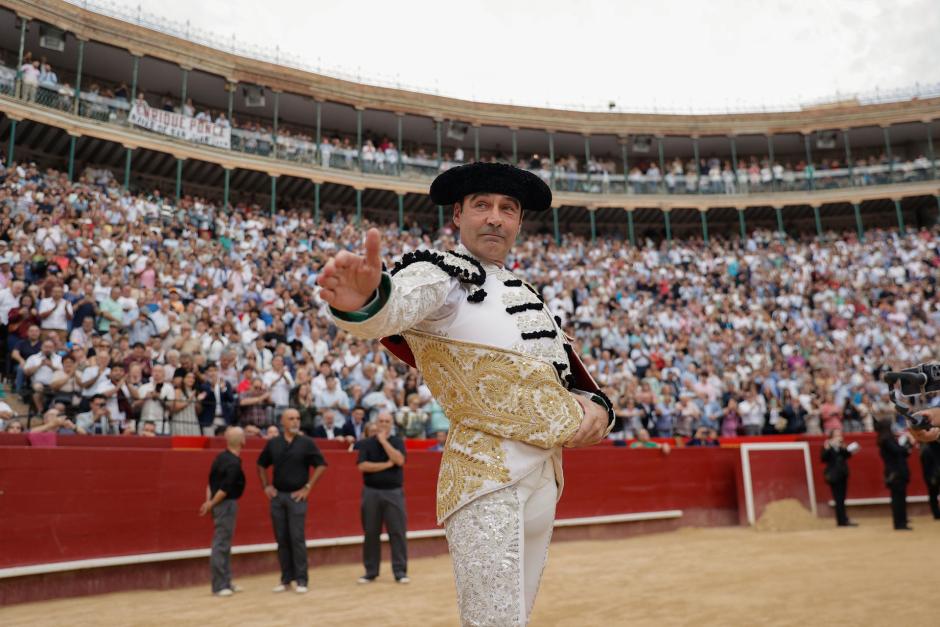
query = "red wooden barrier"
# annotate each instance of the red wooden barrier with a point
(113, 441)
(13, 439)
(73, 502)
(105, 502)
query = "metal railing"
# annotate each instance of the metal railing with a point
(167, 421)
(288, 148)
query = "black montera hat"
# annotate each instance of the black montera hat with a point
(495, 178)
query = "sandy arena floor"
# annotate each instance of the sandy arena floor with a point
(868, 576)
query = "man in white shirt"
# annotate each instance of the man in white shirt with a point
(30, 73)
(55, 313)
(213, 344)
(94, 378)
(9, 297)
(279, 383)
(155, 396)
(320, 348)
(113, 388)
(129, 306)
(41, 368)
(263, 355)
(84, 335)
(48, 236)
(318, 385)
(6, 260)
(333, 397)
(497, 564)
(380, 400)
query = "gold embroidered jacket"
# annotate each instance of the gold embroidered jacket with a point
(492, 355)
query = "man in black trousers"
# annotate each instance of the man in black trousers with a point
(226, 484)
(894, 452)
(292, 454)
(930, 464)
(835, 455)
(381, 459)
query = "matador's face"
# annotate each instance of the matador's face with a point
(489, 224)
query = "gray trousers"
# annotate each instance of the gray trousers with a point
(220, 565)
(288, 518)
(384, 506)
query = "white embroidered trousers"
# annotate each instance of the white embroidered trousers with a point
(499, 544)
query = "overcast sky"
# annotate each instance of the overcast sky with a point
(664, 54)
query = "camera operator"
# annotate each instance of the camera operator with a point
(835, 455)
(930, 464)
(894, 453)
(932, 434)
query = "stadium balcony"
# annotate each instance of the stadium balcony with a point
(178, 110)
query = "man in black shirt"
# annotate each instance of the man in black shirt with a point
(381, 459)
(226, 484)
(292, 454)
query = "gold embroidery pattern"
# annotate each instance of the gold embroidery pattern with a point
(470, 459)
(490, 395)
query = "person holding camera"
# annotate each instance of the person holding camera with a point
(931, 434)
(930, 464)
(835, 455)
(40, 369)
(894, 453)
(930, 455)
(55, 422)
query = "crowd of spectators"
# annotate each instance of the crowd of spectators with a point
(758, 174)
(597, 174)
(129, 313)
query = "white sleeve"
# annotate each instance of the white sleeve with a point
(416, 294)
(89, 374)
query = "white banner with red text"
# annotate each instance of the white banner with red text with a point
(178, 125)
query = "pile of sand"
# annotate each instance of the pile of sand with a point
(788, 515)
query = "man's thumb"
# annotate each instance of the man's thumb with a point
(373, 245)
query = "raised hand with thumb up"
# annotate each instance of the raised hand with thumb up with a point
(348, 280)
